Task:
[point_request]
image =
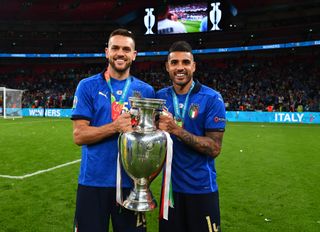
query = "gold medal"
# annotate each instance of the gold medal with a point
(178, 122)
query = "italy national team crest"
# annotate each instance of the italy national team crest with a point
(137, 93)
(193, 111)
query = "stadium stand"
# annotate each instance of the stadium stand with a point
(287, 83)
(277, 80)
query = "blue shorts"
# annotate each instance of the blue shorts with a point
(96, 205)
(193, 213)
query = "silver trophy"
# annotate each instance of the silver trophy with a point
(142, 153)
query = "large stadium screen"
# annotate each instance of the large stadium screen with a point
(183, 17)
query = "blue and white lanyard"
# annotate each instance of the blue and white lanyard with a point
(179, 117)
(124, 91)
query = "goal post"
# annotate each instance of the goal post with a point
(10, 103)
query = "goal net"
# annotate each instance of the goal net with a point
(10, 103)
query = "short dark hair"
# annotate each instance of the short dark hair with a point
(180, 46)
(122, 32)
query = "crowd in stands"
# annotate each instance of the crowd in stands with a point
(264, 84)
(51, 86)
(246, 84)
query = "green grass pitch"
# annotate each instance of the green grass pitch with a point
(268, 176)
(191, 26)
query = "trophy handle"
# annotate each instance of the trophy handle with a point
(135, 116)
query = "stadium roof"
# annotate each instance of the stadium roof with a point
(72, 10)
(83, 25)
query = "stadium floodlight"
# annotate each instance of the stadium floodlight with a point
(10, 103)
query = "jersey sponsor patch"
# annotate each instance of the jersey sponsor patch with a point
(218, 119)
(193, 111)
(119, 92)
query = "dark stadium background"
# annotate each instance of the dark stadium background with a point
(76, 26)
(249, 80)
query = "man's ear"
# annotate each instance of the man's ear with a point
(134, 56)
(167, 66)
(106, 52)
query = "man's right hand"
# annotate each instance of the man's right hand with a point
(123, 123)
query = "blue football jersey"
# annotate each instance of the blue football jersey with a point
(92, 102)
(193, 172)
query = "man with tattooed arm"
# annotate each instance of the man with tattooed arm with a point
(196, 121)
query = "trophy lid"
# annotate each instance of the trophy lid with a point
(149, 103)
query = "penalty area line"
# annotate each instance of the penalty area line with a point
(40, 171)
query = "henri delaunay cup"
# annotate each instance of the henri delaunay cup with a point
(142, 153)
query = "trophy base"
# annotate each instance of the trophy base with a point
(141, 201)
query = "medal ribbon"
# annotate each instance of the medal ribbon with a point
(117, 106)
(167, 197)
(119, 198)
(177, 113)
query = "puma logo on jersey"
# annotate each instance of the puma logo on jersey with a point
(105, 95)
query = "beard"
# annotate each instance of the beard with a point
(118, 69)
(183, 83)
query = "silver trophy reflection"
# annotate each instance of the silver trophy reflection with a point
(142, 153)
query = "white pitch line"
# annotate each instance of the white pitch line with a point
(30, 122)
(40, 171)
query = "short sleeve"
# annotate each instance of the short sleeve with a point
(216, 116)
(82, 103)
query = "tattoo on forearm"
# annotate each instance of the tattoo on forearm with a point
(217, 144)
(209, 145)
(188, 138)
